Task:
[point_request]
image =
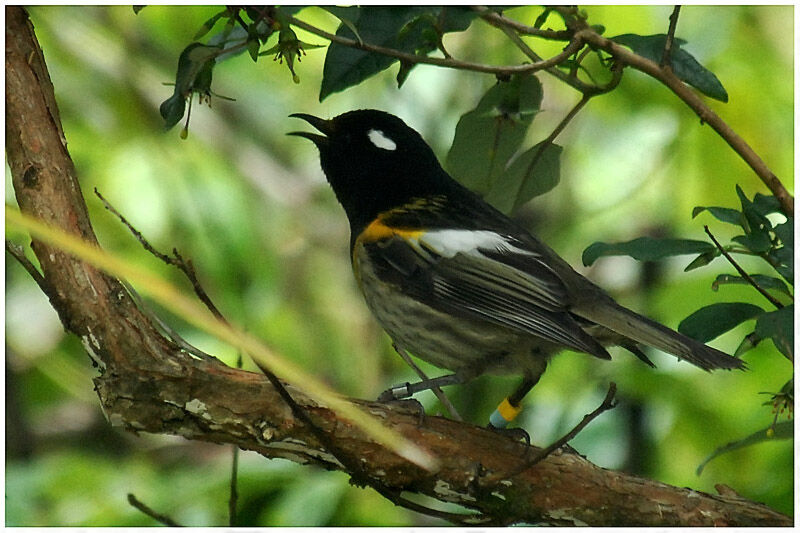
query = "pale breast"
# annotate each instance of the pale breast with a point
(459, 344)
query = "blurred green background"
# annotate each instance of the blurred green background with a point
(250, 207)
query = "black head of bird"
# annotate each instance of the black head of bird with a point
(373, 159)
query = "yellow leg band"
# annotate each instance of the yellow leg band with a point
(504, 414)
(508, 411)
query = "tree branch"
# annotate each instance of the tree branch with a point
(571, 48)
(742, 272)
(146, 383)
(666, 57)
(585, 34)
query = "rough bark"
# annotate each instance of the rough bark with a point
(146, 383)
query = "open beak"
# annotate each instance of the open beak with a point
(324, 126)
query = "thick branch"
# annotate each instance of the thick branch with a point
(148, 384)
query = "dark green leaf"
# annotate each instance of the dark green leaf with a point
(765, 282)
(542, 18)
(253, 46)
(136, 9)
(456, 18)
(345, 66)
(766, 204)
(413, 30)
(782, 431)
(488, 136)
(713, 320)
(646, 249)
(172, 109)
(195, 66)
(684, 65)
(531, 174)
(756, 242)
(778, 326)
(725, 214)
(702, 260)
(756, 221)
(785, 232)
(347, 16)
(784, 259)
(748, 343)
(209, 24)
(423, 35)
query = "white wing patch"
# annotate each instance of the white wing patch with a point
(379, 139)
(449, 242)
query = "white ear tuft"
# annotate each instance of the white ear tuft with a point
(379, 139)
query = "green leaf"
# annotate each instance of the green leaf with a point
(702, 260)
(765, 282)
(782, 431)
(422, 35)
(345, 66)
(713, 320)
(756, 242)
(785, 232)
(684, 65)
(646, 249)
(488, 136)
(136, 9)
(253, 46)
(784, 257)
(725, 214)
(195, 66)
(778, 326)
(766, 204)
(346, 16)
(756, 220)
(748, 343)
(531, 174)
(542, 18)
(407, 29)
(209, 24)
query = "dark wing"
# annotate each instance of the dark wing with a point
(481, 274)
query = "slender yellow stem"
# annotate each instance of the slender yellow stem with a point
(174, 299)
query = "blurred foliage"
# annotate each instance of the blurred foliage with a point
(250, 207)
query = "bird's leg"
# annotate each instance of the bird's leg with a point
(511, 406)
(406, 390)
(435, 389)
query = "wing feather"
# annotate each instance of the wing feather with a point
(482, 280)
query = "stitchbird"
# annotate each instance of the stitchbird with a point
(458, 283)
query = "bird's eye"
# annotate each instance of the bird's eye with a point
(380, 140)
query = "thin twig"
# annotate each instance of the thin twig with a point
(558, 129)
(18, 253)
(742, 272)
(578, 28)
(571, 48)
(666, 59)
(444, 400)
(161, 518)
(703, 111)
(608, 403)
(497, 19)
(184, 265)
(165, 328)
(511, 33)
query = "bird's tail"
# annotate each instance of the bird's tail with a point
(642, 330)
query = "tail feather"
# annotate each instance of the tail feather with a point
(645, 331)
